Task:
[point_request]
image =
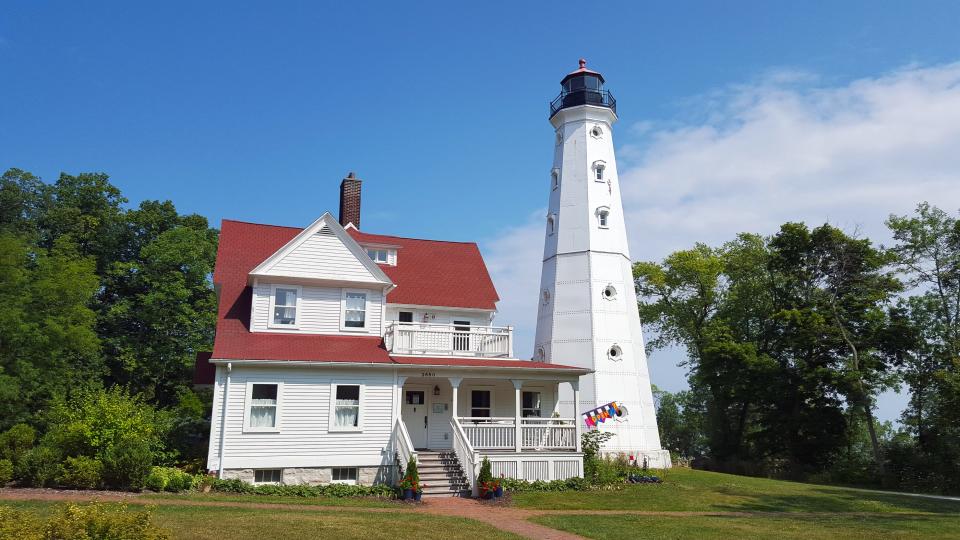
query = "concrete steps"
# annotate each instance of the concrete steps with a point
(442, 474)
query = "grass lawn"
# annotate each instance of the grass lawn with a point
(366, 502)
(788, 527)
(686, 490)
(216, 523)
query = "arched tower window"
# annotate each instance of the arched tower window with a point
(551, 224)
(555, 178)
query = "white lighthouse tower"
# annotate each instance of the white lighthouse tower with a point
(588, 307)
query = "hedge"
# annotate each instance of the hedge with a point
(304, 490)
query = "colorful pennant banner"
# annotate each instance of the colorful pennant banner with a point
(610, 411)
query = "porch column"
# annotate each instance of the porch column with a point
(398, 400)
(455, 385)
(517, 385)
(576, 410)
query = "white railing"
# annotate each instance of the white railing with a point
(469, 459)
(535, 433)
(401, 443)
(490, 433)
(548, 433)
(450, 340)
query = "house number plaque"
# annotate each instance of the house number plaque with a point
(428, 374)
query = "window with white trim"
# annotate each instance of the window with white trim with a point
(603, 218)
(354, 310)
(343, 475)
(284, 303)
(530, 404)
(263, 406)
(379, 255)
(346, 408)
(480, 403)
(267, 476)
(599, 167)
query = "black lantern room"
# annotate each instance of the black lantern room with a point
(582, 87)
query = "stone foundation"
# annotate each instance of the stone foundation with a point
(314, 476)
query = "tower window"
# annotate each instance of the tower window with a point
(551, 224)
(596, 131)
(615, 353)
(541, 354)
(559, 137)
(599, 168)
(603, 217)
(555, 177)
(609, 292)
(545, 296)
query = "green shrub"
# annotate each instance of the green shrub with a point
(17, 441)
(303, 490)
(485, 474)
(127, 464)
(103, 522)
(19, 525)
(179, 480)
(158, 479)
(570, 484)
(6, 472)
(81, 472)
(39, 467)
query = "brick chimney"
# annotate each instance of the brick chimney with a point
(350, 200)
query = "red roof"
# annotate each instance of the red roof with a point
(450, 274)
(435, 273)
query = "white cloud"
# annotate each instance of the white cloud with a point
(784, 148)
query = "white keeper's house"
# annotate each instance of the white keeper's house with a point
(339, 354)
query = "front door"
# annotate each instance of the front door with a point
(416, 415)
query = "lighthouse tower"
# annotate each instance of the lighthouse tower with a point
(588, 307)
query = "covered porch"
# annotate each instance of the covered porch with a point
(511, 417)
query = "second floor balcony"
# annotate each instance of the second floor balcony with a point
(429, 339)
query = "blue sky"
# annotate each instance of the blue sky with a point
(256, 113)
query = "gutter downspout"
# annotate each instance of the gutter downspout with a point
(223, 417)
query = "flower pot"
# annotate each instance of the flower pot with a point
(407, 494)
(498, 492)
(417, 495)
(486, 495)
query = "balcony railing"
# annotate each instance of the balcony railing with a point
(600, 98)
(450, 340)
(535, 433)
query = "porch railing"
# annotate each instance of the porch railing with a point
(469, 459)
(450, 340)
(500, 433)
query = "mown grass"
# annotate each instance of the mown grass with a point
(788, 527)
(365, 502)
(685, 490)
(216, 523)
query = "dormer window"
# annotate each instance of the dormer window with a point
(599, 168)
(378, 255)
(285, 300)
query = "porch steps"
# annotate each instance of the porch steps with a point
(442, 474)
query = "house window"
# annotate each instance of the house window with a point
(354, 309)
(531, 404)
(266, 476)
(405, 316)
(285, 306)
(480, 403)
(344, 475)
(603, 218)
(263, 404)
(346, 413)
(378, 255)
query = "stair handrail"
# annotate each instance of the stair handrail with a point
(469, 458)
(403, 445)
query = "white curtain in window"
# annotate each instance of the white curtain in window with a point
(347, 412)
(263, 413)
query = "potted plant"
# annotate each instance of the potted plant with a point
(418, 492)
(411, 481)
(485, 480)
(499, 491)
(406, 488)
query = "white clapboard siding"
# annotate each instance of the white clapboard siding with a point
(304, 439)
(320, 310)
(322, 256)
